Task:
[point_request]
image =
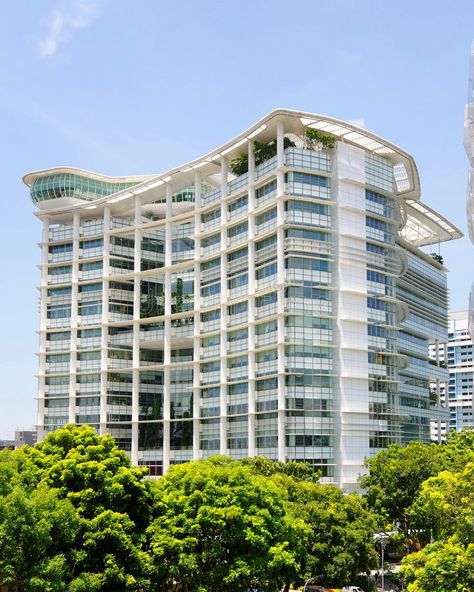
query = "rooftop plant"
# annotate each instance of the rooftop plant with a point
(438, 258)
(262, 150)
(315, 139)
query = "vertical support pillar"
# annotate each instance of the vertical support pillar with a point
(137, 255)
(197, 317)
(105, 320)
(167, 332)
(251, 305)
(223, 331)
(43, 327)
(74, 315)
(281, 275)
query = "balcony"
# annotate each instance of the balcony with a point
(263, 169)
(266, 311)
(237, 183)
(238, 239)
(60, 234)
(91, 274)
(59, 257)
(63, 278)
(307, 190)
(210, 196)
(90, 253)
(56, 323)
(237, 346)
(89, 343)
(63, 345)
(317, 160)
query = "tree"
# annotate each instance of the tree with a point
(111, 500)
(446, 503)
(440, 567)
(219, 524)
(340, 543)
(395, 477)
(37, 531)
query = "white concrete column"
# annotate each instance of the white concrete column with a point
(167, 332)
(104, 361)
(137, 254)
(280, 144)
(197, 318)
(251, 397)
(251, 157)
(74, 315)
(224, 291)
(281, 275)
(43, 326)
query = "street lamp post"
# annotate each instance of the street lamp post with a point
(380, 538)
(307, 582)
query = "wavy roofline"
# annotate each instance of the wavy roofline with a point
(29, 178)
(294, 120)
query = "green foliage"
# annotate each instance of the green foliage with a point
(428, 489)
(438, 258)
(262, 150)
(91, 534)
(395, 477)
(299, 471)
(240, 165)
(446, 502)
(440, 567)
(339, 544)
(219, 524)
(36, 531)
(314, 138)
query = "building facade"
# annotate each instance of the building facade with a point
(458, 355)
(270, 298)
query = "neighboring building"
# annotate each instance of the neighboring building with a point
(458, 354)
(249, 307)
(22, 437)
(28, 437)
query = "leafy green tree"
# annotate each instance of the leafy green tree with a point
(395, 477)
(446, 504)
(341, 528)
(440, 567)
(37, 531)
(91, 471)
(112, 501)
(218, 525)
(340, 541)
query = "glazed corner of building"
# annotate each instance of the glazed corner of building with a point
(270, 298)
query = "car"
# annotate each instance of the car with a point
(352, 589)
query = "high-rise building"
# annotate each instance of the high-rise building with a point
(458, 355)
(270, 298)
(469, 147)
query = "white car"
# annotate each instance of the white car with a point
(352, 589)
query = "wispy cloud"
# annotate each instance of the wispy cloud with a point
(358, 122)
(76, 14)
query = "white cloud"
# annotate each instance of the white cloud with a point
(358, 122)
(77, 14)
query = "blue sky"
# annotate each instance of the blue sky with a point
(127, 88)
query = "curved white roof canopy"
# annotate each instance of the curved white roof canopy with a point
(424, 225)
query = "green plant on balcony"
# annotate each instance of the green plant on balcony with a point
(433, 397)
(316, 139)
(438, 258)
(240, 165)
(153, 305)
(262, 150)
